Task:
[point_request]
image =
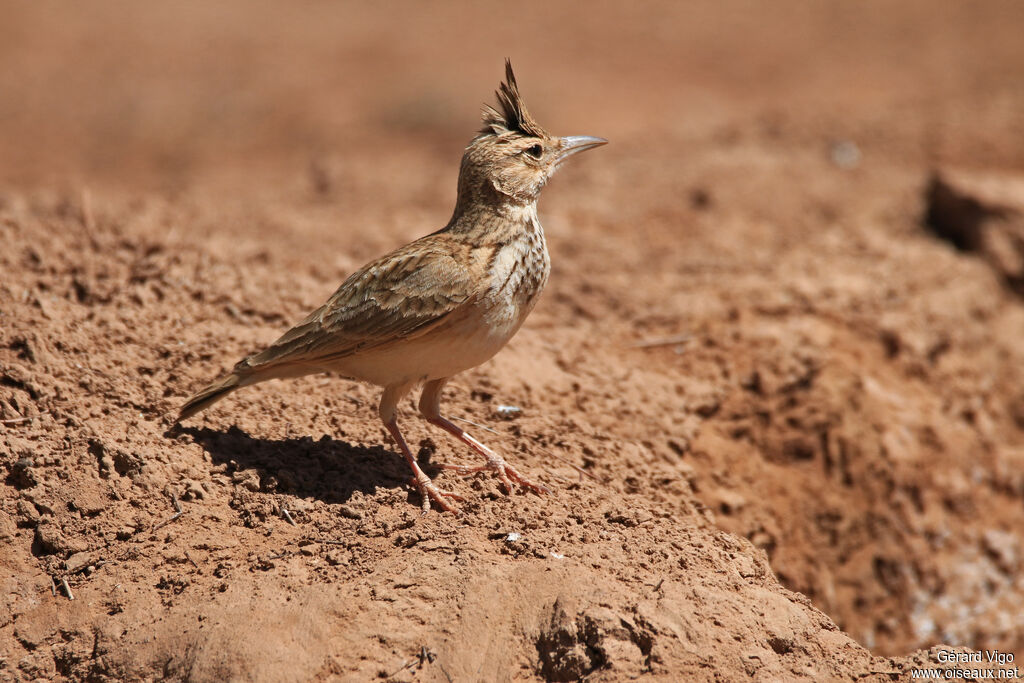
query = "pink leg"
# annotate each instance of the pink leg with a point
(506, 473)
(430, 407)
(388, 403)
(427, 488)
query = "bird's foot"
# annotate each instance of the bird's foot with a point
(506, 473)
(430, 492)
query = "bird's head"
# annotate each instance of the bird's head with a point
(513, 155)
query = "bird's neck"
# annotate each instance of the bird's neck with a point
(492, 215)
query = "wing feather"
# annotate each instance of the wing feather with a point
(396, 297)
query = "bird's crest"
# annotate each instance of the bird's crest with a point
(513, 117)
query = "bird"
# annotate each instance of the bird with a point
(442, 304)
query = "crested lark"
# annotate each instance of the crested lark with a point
(442, 304)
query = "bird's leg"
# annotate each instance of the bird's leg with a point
(506, 472)
(430, 407)
(428, 490)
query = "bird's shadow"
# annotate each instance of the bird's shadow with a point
(326, 469)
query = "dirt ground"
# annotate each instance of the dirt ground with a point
(777, 398)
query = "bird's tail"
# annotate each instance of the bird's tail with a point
(209, 395)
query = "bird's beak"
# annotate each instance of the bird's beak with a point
(578, 143)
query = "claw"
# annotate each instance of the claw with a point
(429, 492)
(508, 470)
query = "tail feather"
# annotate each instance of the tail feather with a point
(210, 395)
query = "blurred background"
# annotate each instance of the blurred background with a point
(131, 93)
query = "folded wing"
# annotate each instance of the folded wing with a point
(396, 297)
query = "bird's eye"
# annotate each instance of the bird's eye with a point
(535, 151)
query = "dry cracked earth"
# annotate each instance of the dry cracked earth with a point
(775, 383)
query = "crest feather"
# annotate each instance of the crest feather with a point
(513, 116)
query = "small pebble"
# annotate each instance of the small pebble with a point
(845, 154)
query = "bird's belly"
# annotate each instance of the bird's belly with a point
(442, 352)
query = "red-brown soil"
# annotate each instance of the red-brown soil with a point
(782, 419)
